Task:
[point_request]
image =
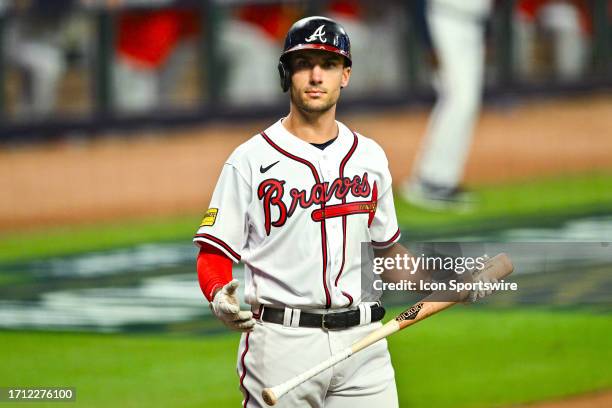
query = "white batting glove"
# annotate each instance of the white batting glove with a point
(475, 295)
(479, 294)
(226, 307)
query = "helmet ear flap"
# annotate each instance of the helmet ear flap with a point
(285, 75)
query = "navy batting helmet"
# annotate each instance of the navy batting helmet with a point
(313, 33)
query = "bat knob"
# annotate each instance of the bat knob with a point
(268, 396)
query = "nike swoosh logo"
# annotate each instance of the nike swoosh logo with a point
(264, 169)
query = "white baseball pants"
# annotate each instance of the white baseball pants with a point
(273, 353)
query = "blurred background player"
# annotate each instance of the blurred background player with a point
(568, 23)
(376, 36)
(457, 30)
(152, 49)
(36, 48)
(250, 40)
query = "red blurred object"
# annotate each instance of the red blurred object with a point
(530, 8)
(347, 8)
(270, 18)
(148, 37)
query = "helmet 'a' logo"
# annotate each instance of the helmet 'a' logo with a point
(318, 34)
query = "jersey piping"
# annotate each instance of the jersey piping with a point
(341, 175)
(220, 244)
(323, 230)
(388, 242)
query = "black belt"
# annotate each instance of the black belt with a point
(330, 321)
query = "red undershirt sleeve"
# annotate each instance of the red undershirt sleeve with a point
(214, 270)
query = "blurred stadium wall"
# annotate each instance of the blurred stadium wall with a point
(126, 108)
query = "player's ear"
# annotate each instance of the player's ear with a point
(346, 76)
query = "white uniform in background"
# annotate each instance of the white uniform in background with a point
(457, 30)
(35, 47)
(373, 41)
(138, 88)
(251, 58)
(274, 209)
(570, 42)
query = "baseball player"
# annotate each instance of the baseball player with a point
(457, 30)
(294, 203)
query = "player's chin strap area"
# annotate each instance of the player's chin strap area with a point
(366, 313)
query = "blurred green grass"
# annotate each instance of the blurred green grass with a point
(67, 240)
(465, 357)
(540, 202)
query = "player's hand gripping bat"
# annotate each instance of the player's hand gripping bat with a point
(497, 267)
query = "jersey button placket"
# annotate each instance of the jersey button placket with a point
(325, 167)
(331, 224)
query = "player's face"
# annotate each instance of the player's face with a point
(317, 77)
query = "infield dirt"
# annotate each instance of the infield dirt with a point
(602, 399)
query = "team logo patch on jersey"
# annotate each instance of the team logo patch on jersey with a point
(210, 217)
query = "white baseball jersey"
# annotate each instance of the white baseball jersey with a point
(296, 216)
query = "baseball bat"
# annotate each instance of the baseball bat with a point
(497, 267)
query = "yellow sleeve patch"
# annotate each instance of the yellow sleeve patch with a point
(210, 217)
